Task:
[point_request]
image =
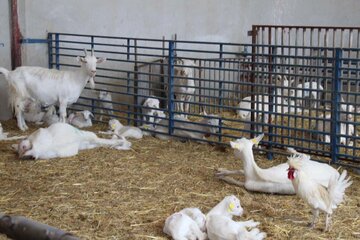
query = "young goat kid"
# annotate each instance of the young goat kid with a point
(49, 86)
(187, 224)
(220, 226)
(105, 102)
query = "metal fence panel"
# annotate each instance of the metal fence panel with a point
(303, 97)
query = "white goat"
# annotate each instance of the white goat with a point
(151, 111)
(51, 116)
(219, 223)
(117, 130)
(189, 130)
(184, 84)
(33, 112)
(309, 90)
(4, 135)
(105, 103)
(81, 119)
(49, 86)
(273, 179)
(187, 224)
(63, 140)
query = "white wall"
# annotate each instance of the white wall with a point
(5, 60)
(208, 20)
(205, 20)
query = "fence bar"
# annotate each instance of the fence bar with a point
(50, 54)
(335, 120)
(57, 56)
(170, 87)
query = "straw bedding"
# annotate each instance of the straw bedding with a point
(110, 194)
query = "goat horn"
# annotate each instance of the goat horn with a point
(85, 52)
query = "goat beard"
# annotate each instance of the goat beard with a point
(92, 82)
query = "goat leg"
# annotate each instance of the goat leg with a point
(224, 172)
(231, 181)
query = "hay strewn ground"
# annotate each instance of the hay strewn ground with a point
(110, 194)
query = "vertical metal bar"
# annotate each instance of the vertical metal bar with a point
(335, 120)
(50, 55)
(135, 83)
(15, 36)
(128, 79)
(252, 79)
(220, 77)
(57, 50)
(170, 87)
(92, 100)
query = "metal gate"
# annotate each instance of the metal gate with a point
(224, 75)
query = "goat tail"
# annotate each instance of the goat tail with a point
(5, 72)
(337, 188)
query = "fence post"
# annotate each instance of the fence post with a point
(221, 79)
(136, 82)
(57, 51)
(171, 87)
(272, 96)
(50, 55)
(92, 100)
(128, 78)
(335, 102)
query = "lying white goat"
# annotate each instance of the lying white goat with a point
(184, 84)
(117, 130)
(105, 103)
(219, 223)
(189, 130)
(81, 119)
(4, 135)
(151, 111)
(63, 140)
(189, 224)
(49, 86)
(270, 180)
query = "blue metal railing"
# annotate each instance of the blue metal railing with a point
(138, 68)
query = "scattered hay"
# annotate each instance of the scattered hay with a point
(110, 194)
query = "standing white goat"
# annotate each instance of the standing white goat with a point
(184, 84)
(307, 90)
(63, 140)
(273, 179)
(49, 86)
(81, 119)
(105, 103)
(219, 223)
(187, 224)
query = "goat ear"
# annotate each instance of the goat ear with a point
(81, 59)
(234, 145)
(100, 60)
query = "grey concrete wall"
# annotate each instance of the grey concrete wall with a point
(5, 60)
(203, 20)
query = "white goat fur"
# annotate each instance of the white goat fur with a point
(184, 78)
(211, 121)
(189, 223)
(81, 119)
(105, 103)
(118, 130)
(49, 86)
(220, 226)
(273, 179)
(4, 135)
(63, 140)
(151, 111)
(309, 90)
(51, 116)
(33, 112)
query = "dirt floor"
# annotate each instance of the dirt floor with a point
(111, 194)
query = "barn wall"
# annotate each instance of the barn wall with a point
(204, 20)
